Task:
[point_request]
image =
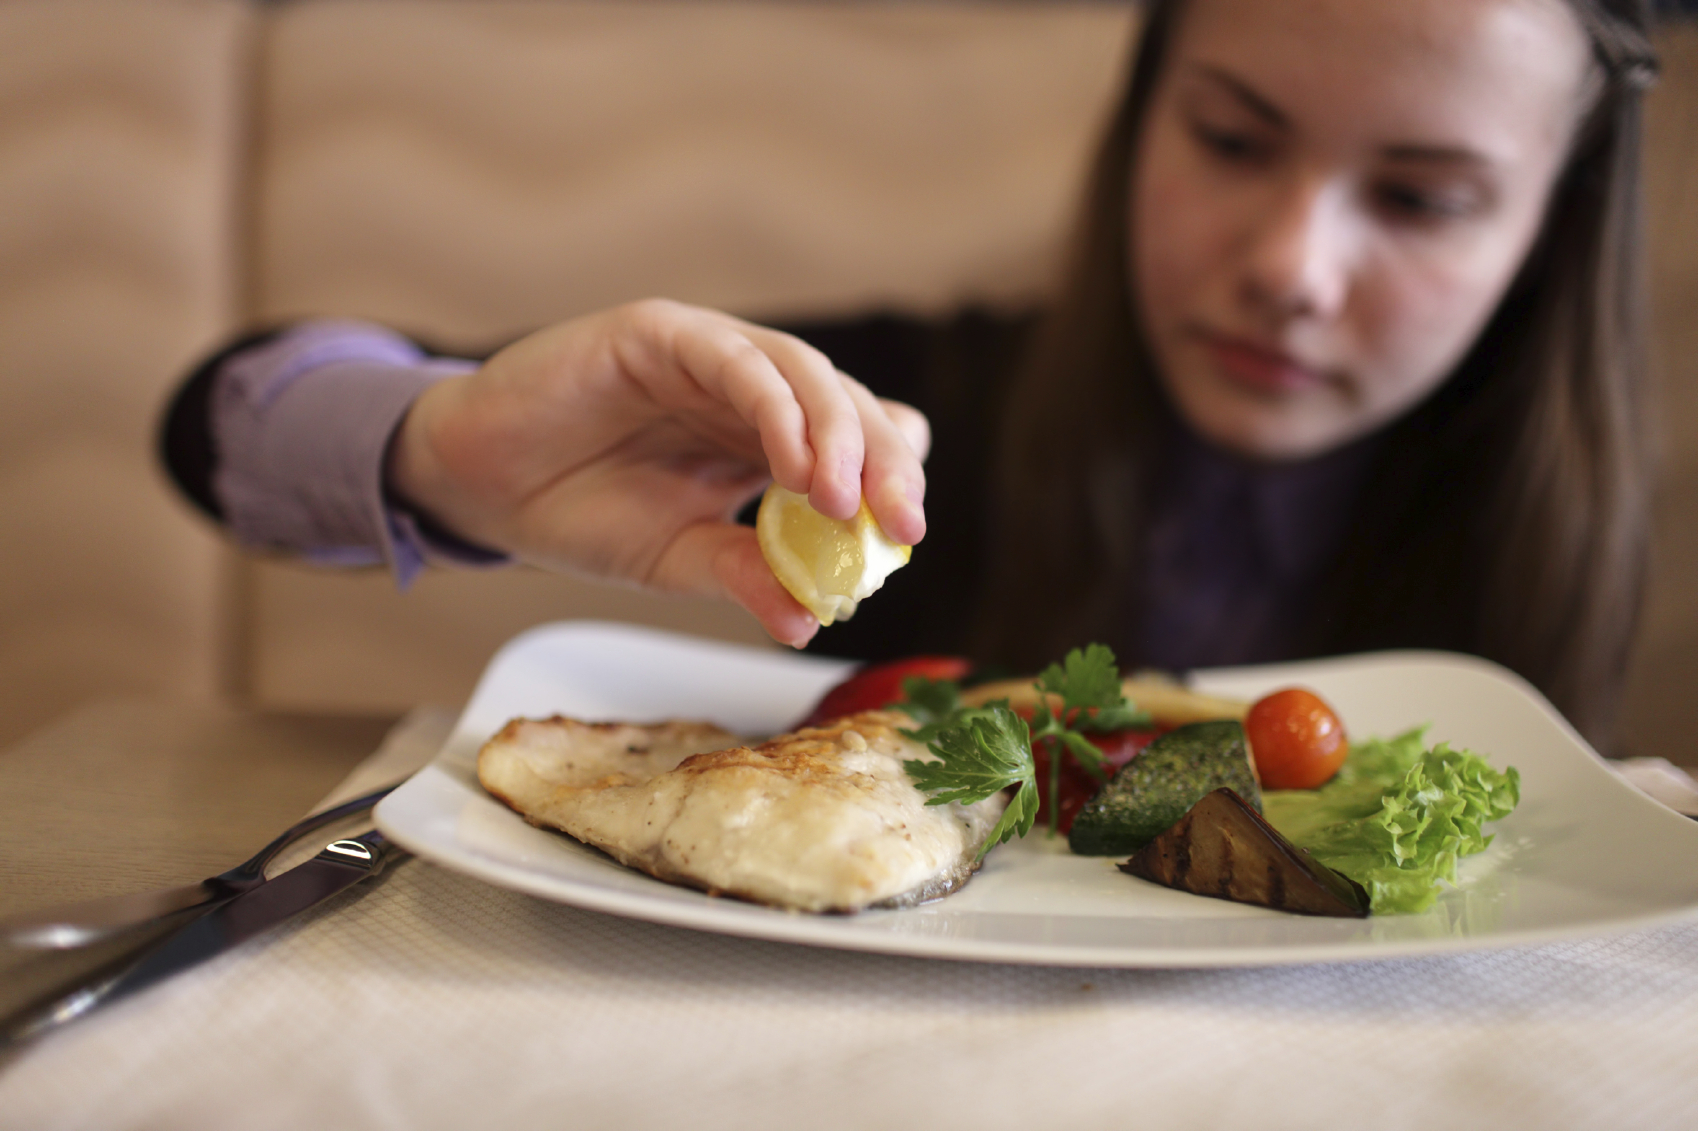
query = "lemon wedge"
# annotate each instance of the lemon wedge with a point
(827, 564)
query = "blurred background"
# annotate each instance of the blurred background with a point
(465, 170)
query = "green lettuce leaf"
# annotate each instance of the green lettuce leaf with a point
(1397, 817)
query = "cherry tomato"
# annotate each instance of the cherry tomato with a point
(880, 685)
(1077, 786)
(1296, 739)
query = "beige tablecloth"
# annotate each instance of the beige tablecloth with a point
(435, 1001)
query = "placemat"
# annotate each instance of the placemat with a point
(433, 1000)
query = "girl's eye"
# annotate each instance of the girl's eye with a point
(1238, 146)
(1416, 204)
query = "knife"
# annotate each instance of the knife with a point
(96, 920)
(341, 864)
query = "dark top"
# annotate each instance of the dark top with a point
(1236, 549)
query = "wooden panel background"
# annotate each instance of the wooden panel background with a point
(119, 145)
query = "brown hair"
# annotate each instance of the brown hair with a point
(1504, 516)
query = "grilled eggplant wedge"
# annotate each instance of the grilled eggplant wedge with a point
(1224, 848)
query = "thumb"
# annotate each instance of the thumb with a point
(721, 559)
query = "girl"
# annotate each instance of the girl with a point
(1348, 357)
(1396, 244)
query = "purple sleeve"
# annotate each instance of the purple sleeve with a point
(301, 425)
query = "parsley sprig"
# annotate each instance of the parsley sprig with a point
(983, 750)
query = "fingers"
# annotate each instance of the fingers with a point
(893, 481)
(716, 559)
(809, 426)
(823, 433)
(913, 425)
(836, 430)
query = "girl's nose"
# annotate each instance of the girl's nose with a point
(1298, 258)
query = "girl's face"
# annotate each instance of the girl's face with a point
(1331, 196)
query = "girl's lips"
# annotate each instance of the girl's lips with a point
(1257, 367)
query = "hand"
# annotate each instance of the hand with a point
(622, 444)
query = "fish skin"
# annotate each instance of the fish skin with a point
(824, 819)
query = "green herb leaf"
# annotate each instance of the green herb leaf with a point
(1017, 819)
(933, 703)
(1087, 677)
(982, 750)
(1088, 682)
(1088, 755)
(979, 753)
(1104, 720)
(929, 700)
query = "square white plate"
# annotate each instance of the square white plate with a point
(1583, 854)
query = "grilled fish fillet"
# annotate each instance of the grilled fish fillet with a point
(825, 819)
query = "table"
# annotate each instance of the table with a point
(432, 1000)
(127, 794)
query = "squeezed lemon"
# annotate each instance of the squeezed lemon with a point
(829, 565)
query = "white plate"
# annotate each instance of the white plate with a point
(1583, 854)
